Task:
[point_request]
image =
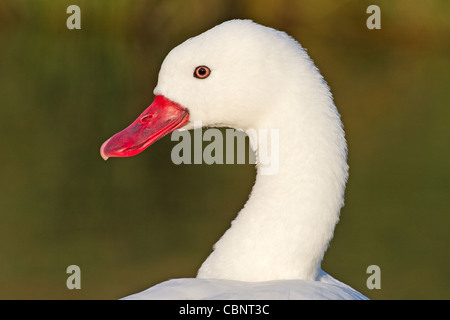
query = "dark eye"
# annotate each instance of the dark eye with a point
(202, 72)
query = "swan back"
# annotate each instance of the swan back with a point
(326, 288)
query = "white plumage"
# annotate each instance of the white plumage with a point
(324, 288)
(262, 79)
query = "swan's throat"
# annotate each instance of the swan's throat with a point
(284, 228)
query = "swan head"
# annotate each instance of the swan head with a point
(229, 76)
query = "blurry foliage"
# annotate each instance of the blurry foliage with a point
(132, 223)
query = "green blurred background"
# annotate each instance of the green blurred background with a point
(131, 223)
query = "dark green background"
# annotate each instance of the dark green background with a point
(131, 223)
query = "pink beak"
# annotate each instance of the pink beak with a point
(160, 118)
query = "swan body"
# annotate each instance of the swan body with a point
(324, 288)
(262, 79)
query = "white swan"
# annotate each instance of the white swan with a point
(246, 76)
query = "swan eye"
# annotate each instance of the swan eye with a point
(202, 72)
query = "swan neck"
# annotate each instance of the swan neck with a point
(285, 227)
